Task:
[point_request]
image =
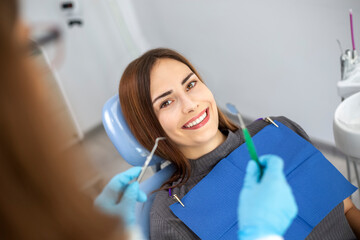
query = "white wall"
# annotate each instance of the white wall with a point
(269, 57)
(95, 54)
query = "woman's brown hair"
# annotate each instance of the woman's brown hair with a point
(40, 196)
(135, 100)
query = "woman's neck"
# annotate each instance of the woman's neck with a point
(196, 152)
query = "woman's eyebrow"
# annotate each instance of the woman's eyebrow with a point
(187, 77)
(162, 95)
(169, 92)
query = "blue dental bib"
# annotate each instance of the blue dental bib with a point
(211, 206)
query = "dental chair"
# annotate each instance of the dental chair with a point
(135, 154)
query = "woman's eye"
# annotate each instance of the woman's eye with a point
(190, 85)
(165, 104)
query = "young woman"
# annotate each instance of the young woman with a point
(161, 94)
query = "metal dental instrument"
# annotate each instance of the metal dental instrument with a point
(343, 65)
(52, 35)
(148, 159)
(146, 164)
(339, 43)
(248, 140)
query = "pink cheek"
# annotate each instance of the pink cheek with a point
(161, 121)
(170, 123)
(165, 123)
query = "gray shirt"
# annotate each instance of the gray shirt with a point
(165, 225)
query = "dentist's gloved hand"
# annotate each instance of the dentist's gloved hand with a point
(268, 207)
(125, 209)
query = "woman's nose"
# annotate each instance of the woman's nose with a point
(189, 105)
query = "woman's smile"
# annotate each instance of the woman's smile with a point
(197, 122)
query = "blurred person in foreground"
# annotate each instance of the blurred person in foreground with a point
(40, 196)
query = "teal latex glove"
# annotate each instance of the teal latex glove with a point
(125, 209)
(267, 207)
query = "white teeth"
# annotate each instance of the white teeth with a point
(197, 121)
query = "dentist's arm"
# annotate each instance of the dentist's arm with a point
(125, 209)
(266, 208)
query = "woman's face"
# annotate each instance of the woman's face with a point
(185, 108)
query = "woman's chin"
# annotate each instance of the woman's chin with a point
(202, 138)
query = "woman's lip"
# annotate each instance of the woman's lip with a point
(206, 119)
(194, 118)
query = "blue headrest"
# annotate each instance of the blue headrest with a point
(120, 135)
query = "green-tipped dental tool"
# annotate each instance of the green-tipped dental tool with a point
(248, 140)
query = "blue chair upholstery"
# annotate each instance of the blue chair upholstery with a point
(135, 154)
(120, 135)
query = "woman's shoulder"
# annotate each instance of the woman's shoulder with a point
(259, 124)
(160, 206)
(333, 226)
(163, 223)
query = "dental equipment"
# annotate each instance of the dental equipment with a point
(340, 47)
(148, 159)
(352, 29)
(143, 170)
(248, 140)
(53, 34)
(350, 68)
